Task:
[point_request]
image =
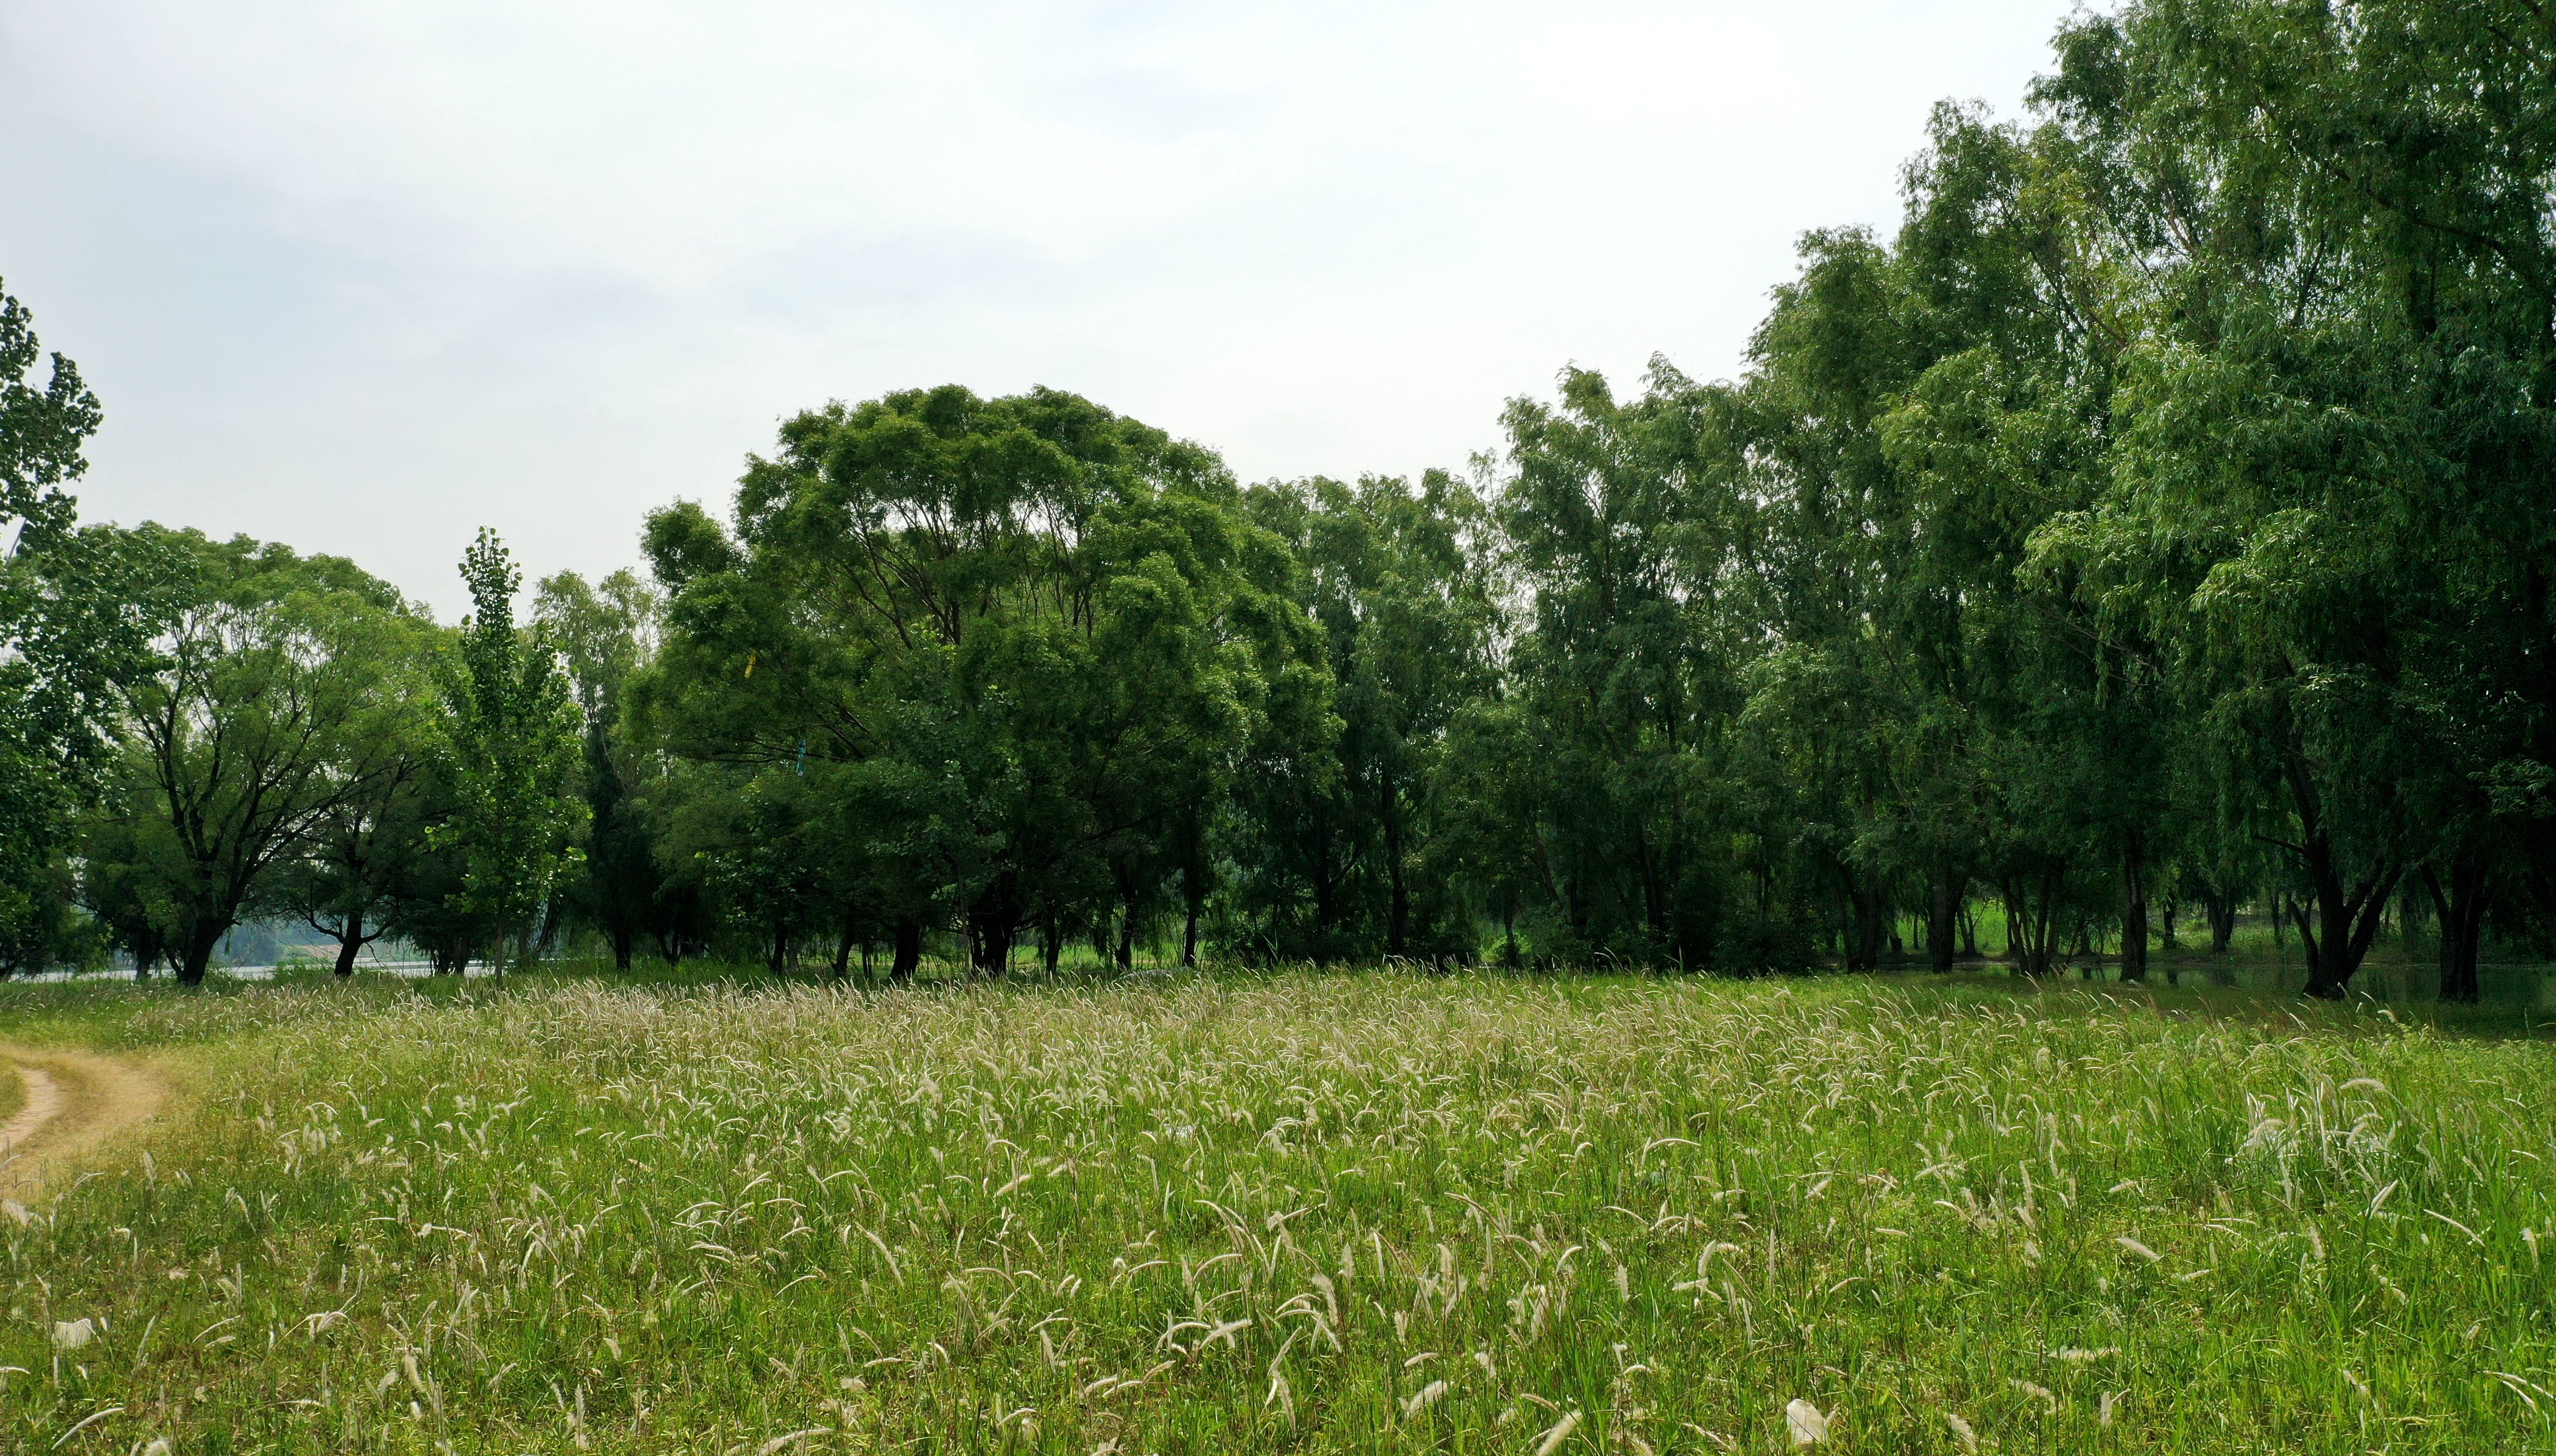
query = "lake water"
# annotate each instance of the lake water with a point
(2392, 980)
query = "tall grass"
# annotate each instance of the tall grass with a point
(1355, 1212)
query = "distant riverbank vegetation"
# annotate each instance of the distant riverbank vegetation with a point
(2154, 528)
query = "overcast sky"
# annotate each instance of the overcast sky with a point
(364, 276)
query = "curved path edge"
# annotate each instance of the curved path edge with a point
(75, 1100)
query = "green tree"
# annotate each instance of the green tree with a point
(1621, 529)
(1037, 627)
(1397, 584)
(2328, 229)
(606, 632)
(510, 731)
(262, 715)
(370, 850)
(77, 608)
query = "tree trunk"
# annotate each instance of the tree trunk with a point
(909, 950)
(2032, 937)
(1397, 917)
(2336, 939)
(2013, 898)
(1326, 896)
(842, 967)
(1052, 940)
(198, 955)
(2134, 912)
(2347, 919)
(1864, 953)
(2459, 907)
(623, 938)
(1941, 913)
(1194, 898)
(993, 923)
(1126, 957)
(2222, 909)
(1655, 907)
(350, 943)
(991, 949)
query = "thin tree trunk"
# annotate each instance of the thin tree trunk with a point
(1194, 897)
(2134, 912)
(1397, 916)
(2014, 897)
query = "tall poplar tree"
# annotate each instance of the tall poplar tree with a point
(511, 730)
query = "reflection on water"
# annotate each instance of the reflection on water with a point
(2512, 983)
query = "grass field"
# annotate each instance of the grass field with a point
(1314, 1213)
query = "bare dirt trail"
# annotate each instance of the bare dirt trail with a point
(75, 1100)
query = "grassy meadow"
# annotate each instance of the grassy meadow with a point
(1346, 1212)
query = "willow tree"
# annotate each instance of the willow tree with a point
(2330, 236)
(1345, 851)
(1040, 633)
(270, 703)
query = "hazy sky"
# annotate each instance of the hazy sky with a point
(364, 276)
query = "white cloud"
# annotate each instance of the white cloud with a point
(364, 276)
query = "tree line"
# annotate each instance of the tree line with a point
(2158, 519)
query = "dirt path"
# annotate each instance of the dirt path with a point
(75, 1100)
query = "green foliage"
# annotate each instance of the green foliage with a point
(606, 633)
(2152, 520)
(276, 708)
(509, 735)
(1339, 833)
(1016, 643)
(76, 606)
